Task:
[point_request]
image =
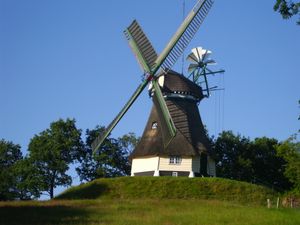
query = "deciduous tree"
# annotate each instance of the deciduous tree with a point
(290, 151)
(52, 151)
(232, 156)
(287, 9)
(10, 154)
(110, 160)
(29, 183)
(268, 166)
(252, 161)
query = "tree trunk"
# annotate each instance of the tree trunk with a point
(51, 192)
(52, 185)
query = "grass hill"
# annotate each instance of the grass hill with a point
(170, 188)
(153, 200)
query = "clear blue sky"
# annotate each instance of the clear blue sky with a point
(62, 59)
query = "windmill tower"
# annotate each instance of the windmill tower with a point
(189, 152)
(174, 133)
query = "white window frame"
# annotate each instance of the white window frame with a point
(174, 174)
(175, 160)
(154, 125)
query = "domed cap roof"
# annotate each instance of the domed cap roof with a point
(173, 82)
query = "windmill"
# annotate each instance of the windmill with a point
(166, 86)
(189, 152)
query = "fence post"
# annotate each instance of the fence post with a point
(269, 203)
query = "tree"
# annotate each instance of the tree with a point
(299, 115)
(268, 166)
(127, 144)
(252, 161)
(232, 156)
(290, 151)
(287, 9)
(29, 182)
(52, 151)
(110, 160)
(90, 167)
(10, 154)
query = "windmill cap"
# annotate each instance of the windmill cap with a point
(173, 82)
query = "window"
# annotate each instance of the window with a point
(175, 160)
(154, 126)
(174, 174)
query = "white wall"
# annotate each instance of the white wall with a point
(144, 164)
(186, 164)
(162, 163)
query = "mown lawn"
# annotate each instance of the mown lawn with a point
(147, 211)
(170, 188)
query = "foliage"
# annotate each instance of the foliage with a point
(255, 161)
(143, 211)
(88, 169)
(232, 160)
(261, 161)
(28, 180)
(170, 188)
(127, 143)
(52, 151)
(10, 154)
(268, 165)
(290, 151)
(110, 160)
(299, 115)
(287, 9)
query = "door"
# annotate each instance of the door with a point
(203, 164)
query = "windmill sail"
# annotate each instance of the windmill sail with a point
(152, 64)
(100, 139)
(183, 36)
(167, 125)
(141, 46)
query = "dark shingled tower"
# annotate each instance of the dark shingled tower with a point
(182, 98)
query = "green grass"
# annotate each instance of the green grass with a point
(143, 211)
(154, 200)
(171, 188)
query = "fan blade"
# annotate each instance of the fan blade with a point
(192, 68)
(166, 122)
(192, 58)
(198, 53)
(141, 46)
(206, 55)
(183, 36)
(100, 139)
